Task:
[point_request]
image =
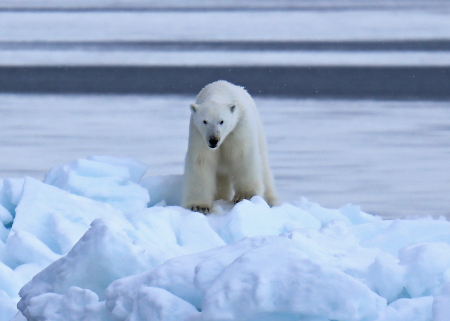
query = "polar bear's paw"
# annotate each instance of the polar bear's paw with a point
(242, 196)
(201, 209)
(271, 200)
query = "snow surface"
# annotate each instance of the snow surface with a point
(221, 58)
(83, 245)
(282, 25)
(218, 4)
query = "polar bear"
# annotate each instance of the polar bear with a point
(227, 156)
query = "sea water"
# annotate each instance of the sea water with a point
(390, 157)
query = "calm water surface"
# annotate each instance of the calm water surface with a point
(391, 158)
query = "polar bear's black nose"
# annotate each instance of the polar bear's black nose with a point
(213, 142)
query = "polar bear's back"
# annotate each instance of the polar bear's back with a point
(223, 91)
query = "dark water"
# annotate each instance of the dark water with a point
(310, 82)
(390, 157)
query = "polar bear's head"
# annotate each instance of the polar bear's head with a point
(215, 120)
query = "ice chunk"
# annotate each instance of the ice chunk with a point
(212, 265)
(255, 217)
(23, 247)
(7, 307)
(427, 267)
(58, 175)
(148, 303)
(189, 277)
(19, 317)
(387, 277)
(417, 309)
(101, 256)
(4, 232)
(25, 272)
(13, 189)
(136, 169)
(11, 193)
(76, 304)
(57, 218)
(9, 282)
(280, 282)
(174, 230)
(378, 270)
(324, 215)
(186, 276)
(243, 262)
(103, 182)
(391, 236)
(156, 304)
(347, 254)
(167, 188)
(356, 216)
(5, 216)
(441, 304)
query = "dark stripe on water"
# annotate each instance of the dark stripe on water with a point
(319, 82)
(401, 45)
(321, 7)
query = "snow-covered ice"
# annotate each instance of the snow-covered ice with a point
(96, 242)
(207, 25)
(219, 58)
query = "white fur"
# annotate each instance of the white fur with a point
(238, 163)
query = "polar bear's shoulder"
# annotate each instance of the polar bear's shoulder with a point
(221, 85)
(221, 89)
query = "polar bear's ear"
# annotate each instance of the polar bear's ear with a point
(194, 108)
(232, 108)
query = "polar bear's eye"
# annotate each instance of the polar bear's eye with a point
(221, 122)
(205, 122)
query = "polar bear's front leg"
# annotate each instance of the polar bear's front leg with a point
(248, 180)
(199, 184)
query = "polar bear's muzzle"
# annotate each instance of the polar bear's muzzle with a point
(213, 142)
